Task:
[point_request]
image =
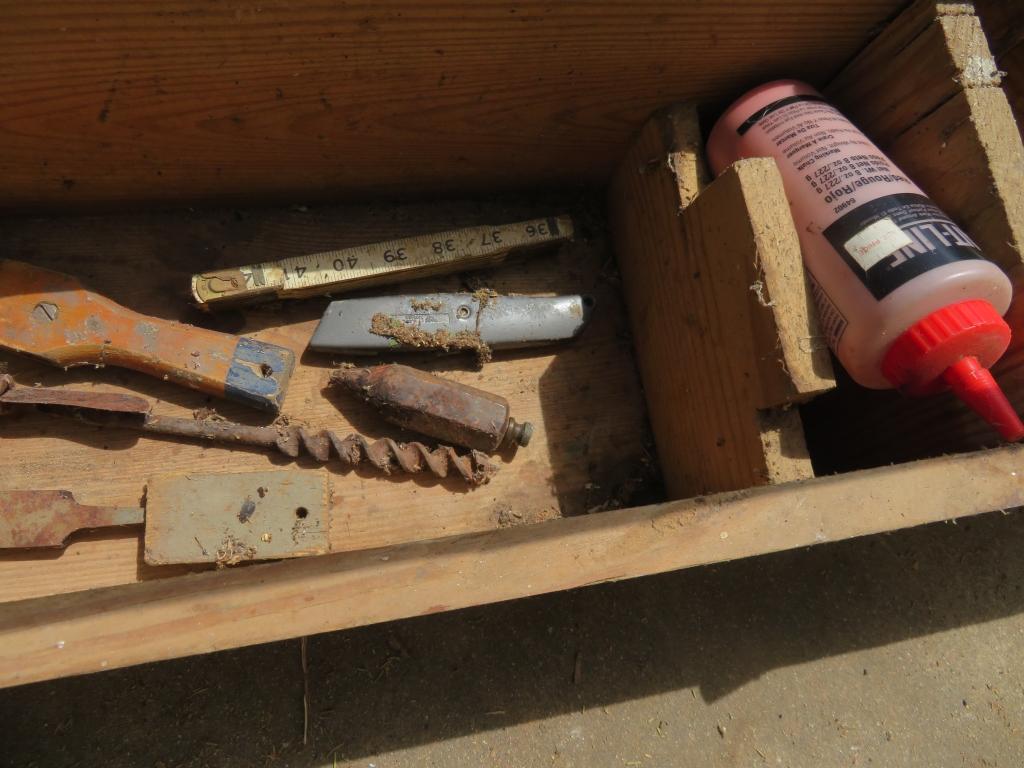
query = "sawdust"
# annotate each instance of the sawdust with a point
(411, 336)
(506, 516)
(484, 296)
(423, 305)
(232, 551)
(207, 414)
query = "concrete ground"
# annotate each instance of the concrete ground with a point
(898, 650)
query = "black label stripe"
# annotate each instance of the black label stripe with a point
(763, 112)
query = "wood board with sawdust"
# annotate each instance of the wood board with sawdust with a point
(590, 450)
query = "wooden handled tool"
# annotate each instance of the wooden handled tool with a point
(51, 316)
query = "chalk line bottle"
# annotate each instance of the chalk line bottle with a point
(905, 298)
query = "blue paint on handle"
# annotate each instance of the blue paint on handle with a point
(259, 374)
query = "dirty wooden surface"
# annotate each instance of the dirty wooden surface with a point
(182, 99)
(583, 397)
(714, 280)
(105, 629)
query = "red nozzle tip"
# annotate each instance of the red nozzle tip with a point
(955, 345)
(973, 383)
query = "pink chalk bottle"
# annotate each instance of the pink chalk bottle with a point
(904, 296)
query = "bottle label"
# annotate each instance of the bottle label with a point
(890, 241)
(831, 320)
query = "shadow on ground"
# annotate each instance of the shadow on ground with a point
(428, 679)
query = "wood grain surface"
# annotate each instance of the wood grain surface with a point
(120, 102)
(714, 282)
(1003, 23)
(110, 628)
(589, 450)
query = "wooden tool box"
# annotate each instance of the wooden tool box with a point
(141, 144)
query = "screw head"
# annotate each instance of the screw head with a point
(45, 311)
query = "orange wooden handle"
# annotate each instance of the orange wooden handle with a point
(51, 316)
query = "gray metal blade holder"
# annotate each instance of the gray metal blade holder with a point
(502, 322)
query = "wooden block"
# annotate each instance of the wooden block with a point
(968, 156)
(927, 92)
(233, 517)
(1013, 62)
(105, 629)
(1003, 21)
(287, 101)
(928, 54)
(722, 321)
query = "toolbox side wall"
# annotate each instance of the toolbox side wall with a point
(191, 99)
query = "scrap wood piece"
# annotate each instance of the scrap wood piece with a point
(723, 321)
(235, 517)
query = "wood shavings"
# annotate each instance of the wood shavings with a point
(408, 335)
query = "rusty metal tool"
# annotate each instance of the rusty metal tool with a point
(448, 322)
(224, 519)
(47, 518)
(332, 272)
(51, 316)
(443, 409)
(131, 412)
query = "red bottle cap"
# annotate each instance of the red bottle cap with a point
(954, 346)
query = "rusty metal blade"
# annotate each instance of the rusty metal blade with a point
(47, 518)
(75, 399)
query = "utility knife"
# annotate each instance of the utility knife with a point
(373, 325)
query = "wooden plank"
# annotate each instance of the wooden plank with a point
(927, 91)
(1013, 62)
(187, 99)
(936, 49)
(721, 318)
(104, 629)
(792, 355)
(967, 154)
(589, 450)
(1004, 26)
